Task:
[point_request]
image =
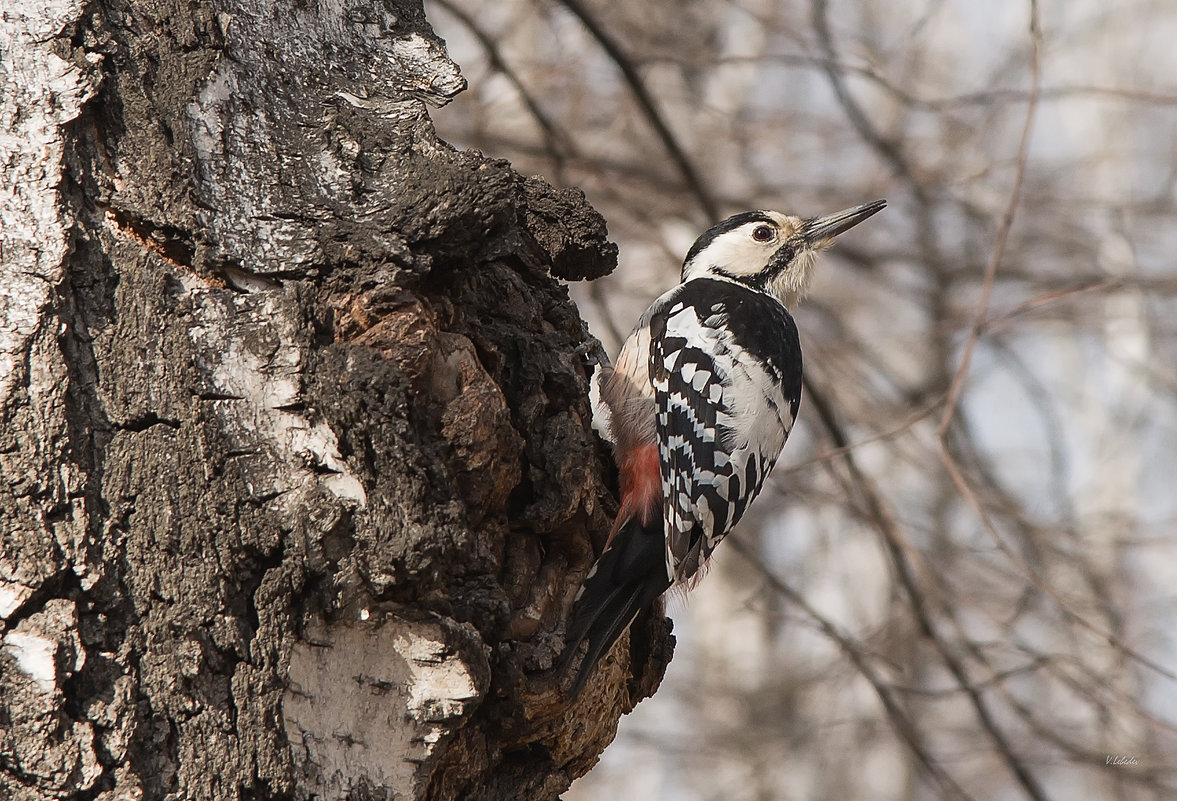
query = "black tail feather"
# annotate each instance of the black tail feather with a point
(628, 577)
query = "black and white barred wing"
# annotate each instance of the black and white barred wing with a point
(723, 409)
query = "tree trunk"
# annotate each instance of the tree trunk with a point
(296, 473)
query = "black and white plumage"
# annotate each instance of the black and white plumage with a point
(698, 407)
(725, 366)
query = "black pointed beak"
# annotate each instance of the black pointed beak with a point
(820, 230)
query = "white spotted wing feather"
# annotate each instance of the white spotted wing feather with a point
(722, 414)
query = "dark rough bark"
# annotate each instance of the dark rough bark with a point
(296, 476)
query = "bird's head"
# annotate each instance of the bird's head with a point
(770, 251)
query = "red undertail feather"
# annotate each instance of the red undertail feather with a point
(641, 489)
(631, 572)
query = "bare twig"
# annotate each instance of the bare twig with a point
(560, 145)
(899, 552)
(904, 726)
(649, 108)
(866, 129)
(1003, 230)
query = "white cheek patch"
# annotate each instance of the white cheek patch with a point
(736, 252)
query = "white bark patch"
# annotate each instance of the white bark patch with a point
(421, 57)
(35, 657)
(39, 92)
(369, 703)
(12, 595)
(45, 650)
(37, 644)
(251, 354)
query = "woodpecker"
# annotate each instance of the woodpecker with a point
(697, 408)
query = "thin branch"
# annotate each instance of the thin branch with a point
(1003, 229)
(884, 436)
(886, 148)
(933, 105)
(904, 726)
(899, 550)
(646, 103)
(998, 321)
(560, 145)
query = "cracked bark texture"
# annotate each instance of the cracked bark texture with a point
(296, 473)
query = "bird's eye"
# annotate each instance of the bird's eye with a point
(763, 233)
